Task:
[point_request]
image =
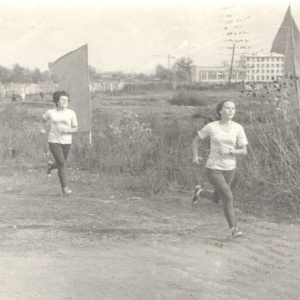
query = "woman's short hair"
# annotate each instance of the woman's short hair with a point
(58, 94)
(219, 108)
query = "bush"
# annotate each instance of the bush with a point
(158, 150)
(188, 98)
(119, 144)
(157, 153)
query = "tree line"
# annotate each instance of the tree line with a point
(20, 74)
(180, 71)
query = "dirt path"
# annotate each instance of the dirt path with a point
(99, 244)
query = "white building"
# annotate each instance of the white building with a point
(252, 67)
(217, 75)
(262, 67)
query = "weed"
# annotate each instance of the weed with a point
(154, 153)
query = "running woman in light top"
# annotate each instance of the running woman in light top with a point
(227, 140)
(63, 124)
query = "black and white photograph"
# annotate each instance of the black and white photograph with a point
(150, 150)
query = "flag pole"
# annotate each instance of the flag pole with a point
(90, 100)
(231, 66)
(294, 73)
(294, 59)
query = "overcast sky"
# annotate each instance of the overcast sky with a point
(135, 35)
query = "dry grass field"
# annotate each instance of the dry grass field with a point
(129, 230)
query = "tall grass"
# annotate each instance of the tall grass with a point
(273, 166)
(158, 151)
(154, 154)
(21, 142)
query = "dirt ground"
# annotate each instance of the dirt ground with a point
(101, 243)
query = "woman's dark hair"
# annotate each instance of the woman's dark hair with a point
(58, 94)
(219, 108)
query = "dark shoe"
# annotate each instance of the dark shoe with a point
(196, 196)
(66, 191)
(49, 167)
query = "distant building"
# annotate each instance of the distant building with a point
(27, 88)
(217, 75)
(262, 67)
(107, 76)
(107, 85)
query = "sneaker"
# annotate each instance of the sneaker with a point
(235, 233)
(66, 191)
(49, 167)
(197, 191)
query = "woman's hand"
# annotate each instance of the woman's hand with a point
(234, 151)
(69, 130)
(226, 150)
(42, 131)
(197, 159)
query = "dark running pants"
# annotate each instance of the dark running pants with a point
(60, 153)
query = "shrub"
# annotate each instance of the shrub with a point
(119, 144)
(158, 150)
(157, 153)
(188, 98)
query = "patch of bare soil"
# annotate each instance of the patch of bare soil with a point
(103, 243)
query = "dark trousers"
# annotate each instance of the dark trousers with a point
(60, 153)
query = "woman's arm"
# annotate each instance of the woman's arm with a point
(239, 151)
(43, 126)
(73, 129)
(69, 130)
(196, 157)
(74, 124)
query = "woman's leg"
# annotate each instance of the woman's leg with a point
(51, 166)
(58, 153)
(208, 194)
(211, 195)
(221, 181)
(66, 150)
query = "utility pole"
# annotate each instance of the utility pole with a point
(231, 66)
(169, 66)
(169, 57)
